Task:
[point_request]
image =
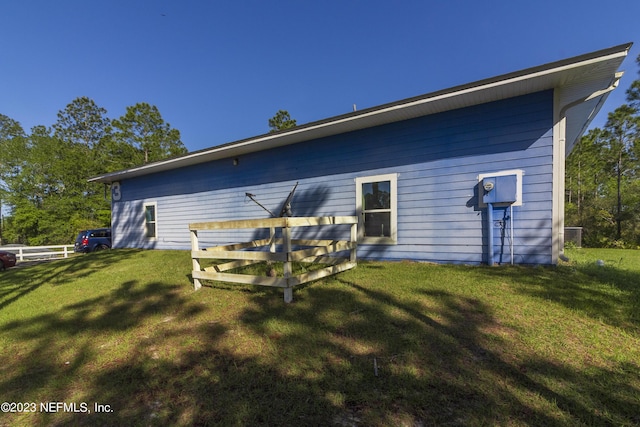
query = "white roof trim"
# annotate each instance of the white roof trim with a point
(596, 69)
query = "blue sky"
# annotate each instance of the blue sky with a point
(218, 70)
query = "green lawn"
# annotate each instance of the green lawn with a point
(384, 344)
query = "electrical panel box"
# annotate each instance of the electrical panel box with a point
(500, 189)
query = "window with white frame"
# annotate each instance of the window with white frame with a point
(150, 221)
(376, 207)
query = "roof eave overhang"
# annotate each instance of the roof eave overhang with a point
(582, 72)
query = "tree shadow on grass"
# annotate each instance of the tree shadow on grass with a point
(482, 384)
(365, 357)
(607, 293)
(15, 283)
(56, 354)
(343, 353)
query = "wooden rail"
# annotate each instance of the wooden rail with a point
(264, 250)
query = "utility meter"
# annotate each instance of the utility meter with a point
(500, 189)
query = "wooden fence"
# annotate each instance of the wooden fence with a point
(236, 255)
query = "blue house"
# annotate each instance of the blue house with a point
(470, 174)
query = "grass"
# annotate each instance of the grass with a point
(384, 344)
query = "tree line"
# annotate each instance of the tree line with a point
(44, 191)
(601, 180)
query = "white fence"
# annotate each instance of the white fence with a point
(40, 252)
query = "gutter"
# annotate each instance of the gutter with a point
(614, 84)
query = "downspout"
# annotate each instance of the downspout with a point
(511, 234)
(558, 248)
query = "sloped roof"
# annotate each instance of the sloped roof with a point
(581, 85)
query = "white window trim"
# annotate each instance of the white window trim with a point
(144, 222)
(393, 180)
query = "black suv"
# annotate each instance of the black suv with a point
(93, 240)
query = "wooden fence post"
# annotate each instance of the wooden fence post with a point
(196, 263)
(286, 236)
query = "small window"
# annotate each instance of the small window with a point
(376, 206)
(150, 222)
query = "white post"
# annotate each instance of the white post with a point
(196, 263)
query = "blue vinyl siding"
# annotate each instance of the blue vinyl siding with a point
(437, 158)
